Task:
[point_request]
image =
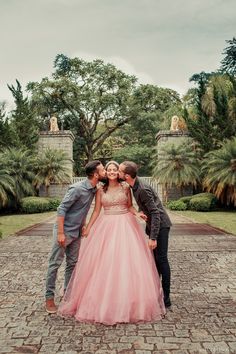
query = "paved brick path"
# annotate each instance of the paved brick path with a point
(202, 320)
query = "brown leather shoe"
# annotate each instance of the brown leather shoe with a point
(50, 306)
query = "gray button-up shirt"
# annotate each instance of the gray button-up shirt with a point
(75, 206)
(149, 202)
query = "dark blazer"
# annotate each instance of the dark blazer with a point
(149, 202)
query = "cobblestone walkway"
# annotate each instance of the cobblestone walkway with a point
(202, 319)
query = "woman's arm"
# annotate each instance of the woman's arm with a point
(95, 214)
(132, 208)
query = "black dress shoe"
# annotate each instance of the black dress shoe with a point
(167, 302)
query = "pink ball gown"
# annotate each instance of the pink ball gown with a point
(115, 279)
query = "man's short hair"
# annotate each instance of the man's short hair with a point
(130, 168)
(91, 168)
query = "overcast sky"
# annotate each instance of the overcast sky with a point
(162, 42)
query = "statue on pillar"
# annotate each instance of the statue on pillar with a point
(53, 124)
(174, 123)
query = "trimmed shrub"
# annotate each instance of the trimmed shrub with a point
(200, 204)
(31, 205)
(186, 200)
(207, 202)
(54, 203)
(177, 205)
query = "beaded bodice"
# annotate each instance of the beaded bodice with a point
(115, 201)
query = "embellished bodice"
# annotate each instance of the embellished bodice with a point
(115, 201)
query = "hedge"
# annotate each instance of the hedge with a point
(197, 202)
(200, 204)
(186, 200)
(203, 202)
(177, 205)
(31, 205)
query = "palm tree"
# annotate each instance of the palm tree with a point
(212, 113)
(6, 185)
(219, 167)
(19, 163)
(177, 165)
(51, 168)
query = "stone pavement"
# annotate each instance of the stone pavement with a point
(202, 319)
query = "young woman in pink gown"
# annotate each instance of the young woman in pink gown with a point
(115, 279)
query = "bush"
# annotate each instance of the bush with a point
(31, 205)
(0, 234)
(186, 200)
(54, 203)
(203, 202)
(200, 204)
(177, 205)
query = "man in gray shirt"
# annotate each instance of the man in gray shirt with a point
(71, 216)
(158, 222)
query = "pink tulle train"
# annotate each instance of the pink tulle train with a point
(115, 279)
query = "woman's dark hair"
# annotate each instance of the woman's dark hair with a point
(105, 187)
(91, 168)
(130, 168)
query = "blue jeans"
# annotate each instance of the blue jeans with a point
(58, 253)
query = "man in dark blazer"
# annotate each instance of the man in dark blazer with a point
(157, 225)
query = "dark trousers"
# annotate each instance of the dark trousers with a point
(161, 259)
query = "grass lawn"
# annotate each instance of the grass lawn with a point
(225, 220)
(9, 224)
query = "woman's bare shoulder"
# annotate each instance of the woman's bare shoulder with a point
(125, 185)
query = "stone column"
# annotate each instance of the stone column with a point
(57, 140)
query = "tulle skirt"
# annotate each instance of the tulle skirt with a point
(115, 279)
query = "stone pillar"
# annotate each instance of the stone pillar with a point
(172, 137)
(57, 140)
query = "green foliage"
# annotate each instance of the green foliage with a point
(138, 153)
(54, 203)
(19, 163)
(219, 167)
(139, 134)
(153, 99)
(200, 204)
(211, 110)
(85, 94)
(0, 234)
(15, 176)
(228, 64)
(177, 205)
(7, 136)
(23, 121)
(177, 165)
(186, 200)
(6, 184)
(50, 167)
(31, 205)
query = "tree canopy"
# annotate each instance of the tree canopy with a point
(84, 95)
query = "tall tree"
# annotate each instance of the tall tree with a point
(139, 134)
(7, 136)
(85, 94)
(210, 116)
(228, 64)
(23, 121)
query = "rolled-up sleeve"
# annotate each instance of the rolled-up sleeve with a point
(147, 200)
(72, 195)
